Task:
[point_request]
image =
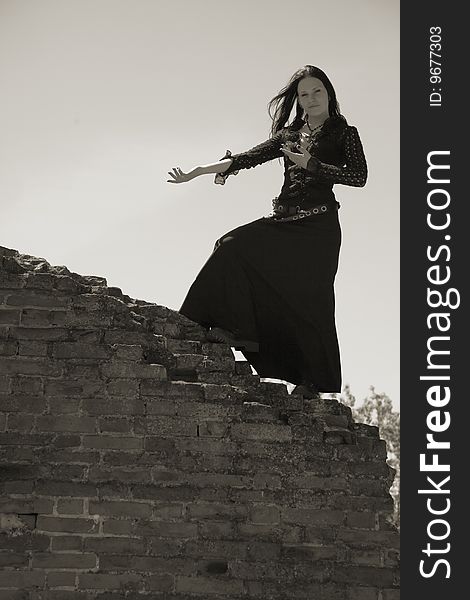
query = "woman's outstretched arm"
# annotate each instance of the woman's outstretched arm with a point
(230, 164)
(179, 176)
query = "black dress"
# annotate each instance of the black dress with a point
(272, 280)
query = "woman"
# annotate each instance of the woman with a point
(267, 288)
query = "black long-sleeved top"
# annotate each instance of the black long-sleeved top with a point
(337, 157)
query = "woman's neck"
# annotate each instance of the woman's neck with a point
(313, 123)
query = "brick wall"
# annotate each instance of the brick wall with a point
(138, 461)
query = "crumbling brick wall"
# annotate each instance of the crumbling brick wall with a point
(138, 460)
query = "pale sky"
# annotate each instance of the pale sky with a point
(100, 98)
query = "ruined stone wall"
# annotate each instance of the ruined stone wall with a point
(138, 461)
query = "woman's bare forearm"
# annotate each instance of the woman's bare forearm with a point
(219, 167)
(178, 176)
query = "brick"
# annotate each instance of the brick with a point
(259, 431)
(66, 543)
(361, 520)
(360, 503)
(270, 531)
(310, 481)
(9, 316)
(29, 366)
(380, 577)
(27, 385)
(216, 511)
(160, 583)
(37, 300)
(362, 593)
(118, 527)
(161, 407)
(127, 352)
(160, 445)
(202, 410)
(22, 579)
(113, 406)
(26, 505)
(120, 509)
(166, 494)
(312, 517)
(12, 595)
(8, 348)
(64, 561)
(79, 350)
(206, 463)
(266, 481)
(66, 423)
(40, 280)
(19, 422)
(108, 582)
(22, 403)
(61, 405)
(5, 385)
(32, 317)
(370, 558)
(130, 370)
(29, 439)
(66, 488)
(14, 560)
(168, 511)
(70, 441)
(353, 537)
(67, 525)
(46, 334)
(168, 426)
(207, 446)
(217, 549)
(264, 514)
(206, 585)
(122, 387)
(166, 547)
(27, 348)
(218, 480)
(211, 429)
(264, 551)
(111, 425)
(60, 579)
(390, 594)
(216, 530)
(168, 529)
(131, 475)
(370, 468)
(368, 487)
(115, 545)
(112, 442)
(86, 388)
(181, 390)
(114, 458)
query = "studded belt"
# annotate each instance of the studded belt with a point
(294, 213)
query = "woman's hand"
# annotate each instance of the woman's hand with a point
(301, 156)
(179, 176)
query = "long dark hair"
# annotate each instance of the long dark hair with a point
(280, 107)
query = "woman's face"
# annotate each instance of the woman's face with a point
(313, 97)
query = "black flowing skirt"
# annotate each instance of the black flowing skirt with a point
(273, 283)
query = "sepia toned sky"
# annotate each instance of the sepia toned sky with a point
(100, 98)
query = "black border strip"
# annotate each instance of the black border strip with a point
(438, 127)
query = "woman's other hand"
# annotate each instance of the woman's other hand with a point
(300, 156)
(180, 176)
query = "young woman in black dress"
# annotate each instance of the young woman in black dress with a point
(268, 287)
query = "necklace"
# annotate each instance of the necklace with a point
(312, 131)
